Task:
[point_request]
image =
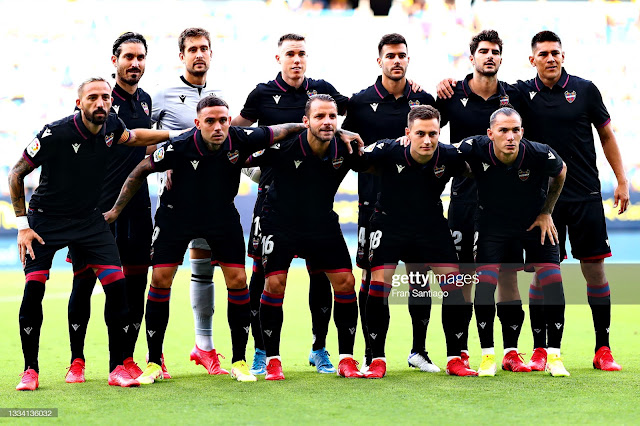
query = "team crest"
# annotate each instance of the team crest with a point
(108, 139)
(233, 156)
(33, 147)
(337, 162)
(145, 107)
(311, 93)
(413, 104)
(255, 242)
(570, 96)
(504, 100)
(438, 171)
(524, 174)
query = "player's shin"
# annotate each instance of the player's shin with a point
(536, 315)
(79, 310)
(599, 297)
(256, 287)
(554, 303)
(320, 306)
(30, 317)
(116, 315)
(202, 302)
(238, 315)
(271, 321)
(420, 312)
(377, 316)
(484, 304)
(363, 294)
(511, 318)
(157, 318)
(136, 285)
(453, 321)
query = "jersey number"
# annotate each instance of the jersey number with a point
(267, 245)
(457, 238)
(374, 239)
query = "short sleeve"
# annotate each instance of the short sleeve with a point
(341, 100)
(163, 158)
(552, 165)
(375, 153)
(40, 149)
(255, 138)
(251, 109)
(442, 106)
(598, 114)
(261, 158)
(350, 120)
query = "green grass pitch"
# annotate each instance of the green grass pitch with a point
(404, 396)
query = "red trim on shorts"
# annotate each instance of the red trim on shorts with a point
(335, 271)
(135, 269)
(40, 276)
(230, 265)
(214, 263)
(81, 271)
(68, 259)
(598, 257)
(376, 268)
(104, 266)
(253, 256)
(275, 273)
(443, 265)
(165, 265)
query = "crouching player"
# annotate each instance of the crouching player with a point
(408, 225)
(512, 174)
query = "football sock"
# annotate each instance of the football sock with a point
(420, 312)
(600, 303)
(157, 318)
(467, 314)
(320, 306)
(136, 285)
(377, 317)
(30, 317)
(362, 305)
(238, 315)
(256, 286)
(202, 303)
(271, 321)
(484, 303)
(345, 316)
(79, 310)
(453, 319)
(536, 316)
(511, 318)
(116, 312)
(554, 303)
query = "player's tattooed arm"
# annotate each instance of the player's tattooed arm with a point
(544, 219)
(134, 181)
(26, 235)
(282, 131)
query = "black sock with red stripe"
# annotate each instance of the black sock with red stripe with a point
(511, 318)
(420, 312)
(536, 316)
(600, 303)
(238, 315)
(454, 321)
(79, 310)
(256, 287)
(378, 316)
(320, 305)
(345, 316)
(136, 285)
(116, 312)
(551, 282)
(157, 318)
(484, 303)
(30, 317)
(271, 321)
(466, 310)
(363, 294)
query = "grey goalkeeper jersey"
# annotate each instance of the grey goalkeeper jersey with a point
(174, 105)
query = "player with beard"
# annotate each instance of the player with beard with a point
(132, 230)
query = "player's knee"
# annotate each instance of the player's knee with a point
(161, 279)
(593, 272)
(237, 279)
(344, 282)
(276, 284)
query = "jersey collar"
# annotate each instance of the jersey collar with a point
(279, 81)
(383, 93)
(184, 80)
(82, 129)
(227, 145)
(332, 152)
(562, 83)
(467, 89)
(519, 158)
(122, 94)
(412, 162)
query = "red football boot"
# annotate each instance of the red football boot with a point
(29, 381)
(132, 368)
(208, 359)
(456, 367)
(513, 361)
(75, 372)
(538, 359)
(465, 359)
(377, 369)
(121, 377)
(603, 360)
(348, 367)
(274, 370)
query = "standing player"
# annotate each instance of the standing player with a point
(380, 112)
(212, 154)
(512, 175)
(63, 212)
(173, 108)
(132, 230)
(408, 225)
(298, 219)
(283, 100)
(474, 100)
(563, 109)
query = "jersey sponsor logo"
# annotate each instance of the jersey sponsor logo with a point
(108, 139)
(464, 101)
(76, 147)
(248, 131)
(370, 148)
(258, 154)
(551, 156)
(297, 163)
(276, 98)
(311, 93)
(33, 147)
(532, 94)
(145, 107)
(337, 162)
(413, 104)
(485, 166)
(524, 174)
(182, 98)
(504, 100)
(374, 107)
(233, 156)
(570, 96)
(158, 154)
(116, 108)
(195, 163)
(438, 171)
(170, 148)
(400, 167)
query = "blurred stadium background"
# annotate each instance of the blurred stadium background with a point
(51, 46)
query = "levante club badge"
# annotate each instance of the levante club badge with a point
(570, 96)
(504, 100)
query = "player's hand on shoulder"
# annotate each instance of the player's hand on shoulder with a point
(25, 241)
(444, 89)
(404, 141)
(547, 228)
(347, 137)
(415, 86)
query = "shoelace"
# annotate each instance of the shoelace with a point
(324, 359)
